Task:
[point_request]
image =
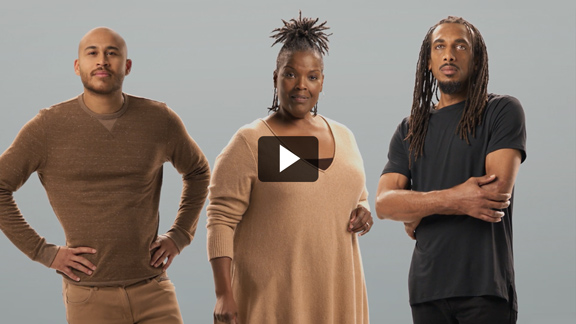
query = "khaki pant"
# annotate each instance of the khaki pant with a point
(152, 301)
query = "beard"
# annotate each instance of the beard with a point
(112, 85)
(451, 87)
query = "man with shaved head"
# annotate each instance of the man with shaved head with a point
(100, 156)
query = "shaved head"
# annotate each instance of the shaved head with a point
(99, 33)
(102, 62)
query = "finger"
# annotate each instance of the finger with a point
(359, 221)
(498, 204)
(168, 263)
(157, 257)
(353, 218)
(81, 268)
(155, 245)
(366, 229)
(500, 197)
(362, 220)
(491, 216)
(83, 261)
(82, 249)
(484, 180)
(69, 273)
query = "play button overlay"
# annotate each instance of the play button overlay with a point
(288, 159)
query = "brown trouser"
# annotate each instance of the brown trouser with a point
(152, 301)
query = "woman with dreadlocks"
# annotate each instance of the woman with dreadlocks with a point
(287, 252)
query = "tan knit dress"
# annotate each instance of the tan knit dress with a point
(293, 259)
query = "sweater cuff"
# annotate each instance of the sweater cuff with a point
(365, 204)
(181, 240)
(220, 242)
(47, 254)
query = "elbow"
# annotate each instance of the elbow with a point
(382, 208)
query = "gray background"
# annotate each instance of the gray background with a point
(212, 63)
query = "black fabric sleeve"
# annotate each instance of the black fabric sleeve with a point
(398, 152)
(508, 126)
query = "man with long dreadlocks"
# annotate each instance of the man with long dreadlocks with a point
(450, 177)
(287, 252)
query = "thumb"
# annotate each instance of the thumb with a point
(154, 245)
(484, 180)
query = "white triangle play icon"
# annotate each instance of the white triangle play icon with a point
(287, 158)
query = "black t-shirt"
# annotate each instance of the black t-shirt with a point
(458, 255)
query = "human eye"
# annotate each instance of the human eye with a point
(439, 46)
(461, 47)
(289, 74)
(111, 53)
(313, 77)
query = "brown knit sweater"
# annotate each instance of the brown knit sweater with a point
(104, 185)
(293, 259)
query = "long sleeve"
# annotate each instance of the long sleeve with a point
(235, 172)
(25, 156)
(191, 163)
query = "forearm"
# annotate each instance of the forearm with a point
(222, 279)
(21, 234)
(194, 193)
(410, 206)
(395, 201)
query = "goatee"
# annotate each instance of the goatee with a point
(450, 87)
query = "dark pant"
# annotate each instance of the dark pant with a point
(465, 310)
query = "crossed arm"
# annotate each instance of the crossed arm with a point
(478, 197)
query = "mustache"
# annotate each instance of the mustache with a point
(101, 69)
(449, 64)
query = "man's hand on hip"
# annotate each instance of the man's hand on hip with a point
(69, 258)
(166, 249)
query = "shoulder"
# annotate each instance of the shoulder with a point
(503, 107)
(253, 131)
(147, 104)
(498, 102)
(62, 108)
(152, 109)
(337, 127)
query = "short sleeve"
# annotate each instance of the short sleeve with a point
(507, 126)
(398, 158)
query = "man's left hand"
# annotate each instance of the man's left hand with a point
(166, 249)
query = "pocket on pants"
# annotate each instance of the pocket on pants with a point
(77, 294)
(164, 283)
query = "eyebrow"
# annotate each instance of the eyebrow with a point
(108, 48)
(458, 40)
(288, 66)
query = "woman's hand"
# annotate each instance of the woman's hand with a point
(360, 221)
(226, 310)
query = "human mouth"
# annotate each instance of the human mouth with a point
(101, 73)
(449, 69)
(299, 98)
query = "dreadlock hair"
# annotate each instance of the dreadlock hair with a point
(298, 35)
(426, 86)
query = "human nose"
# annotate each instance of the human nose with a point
(102, 60)
(449, 54)
(301, 83)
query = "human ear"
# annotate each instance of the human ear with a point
(128, 66)
(76, 67)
